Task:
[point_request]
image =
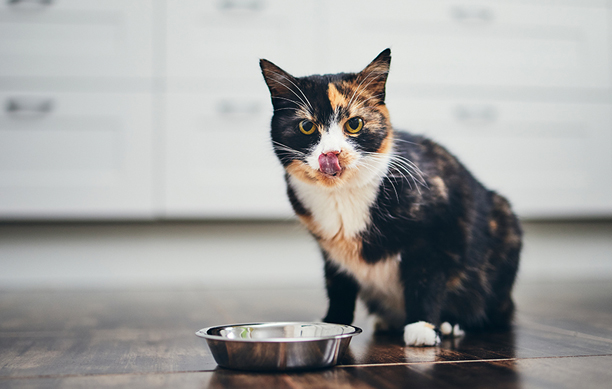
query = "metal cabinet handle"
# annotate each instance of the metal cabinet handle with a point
(238, 108)
(476, 113)
(249, 5)
(28, 106)
(36, 2)
(466, 14)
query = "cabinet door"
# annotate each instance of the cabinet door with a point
(226, 38)
(478, 43)
(219, 158)
(76, 38)
(548, 159)
(75, 156)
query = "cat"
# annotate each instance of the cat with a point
(400, 222)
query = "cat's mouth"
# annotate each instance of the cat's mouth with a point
(329, 164)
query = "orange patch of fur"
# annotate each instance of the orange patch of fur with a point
(438, 185)
(336, 98)
(301, 171)
(493, 226)
(386, 144)
(342, 248)
(385, 112)
(456, 282)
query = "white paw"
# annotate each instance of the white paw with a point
(421, 334)
(446, 329)
(457, 331)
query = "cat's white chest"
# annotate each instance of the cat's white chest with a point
(343, 211)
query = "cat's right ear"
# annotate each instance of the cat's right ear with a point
(279, 81)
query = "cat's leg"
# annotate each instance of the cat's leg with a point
(500, 307)
(388, 313)
(342, 292)
(424, 289)
(506, 234)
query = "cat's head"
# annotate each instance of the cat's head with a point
(331, 130)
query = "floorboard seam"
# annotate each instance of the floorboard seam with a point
(472, 361)
(561, 331)
(59, 376)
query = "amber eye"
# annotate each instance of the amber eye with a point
(307, 127)
(354, 125)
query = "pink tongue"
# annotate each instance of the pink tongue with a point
(328, 163)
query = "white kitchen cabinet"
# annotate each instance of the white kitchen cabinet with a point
(76, 38)
(151, 108)
(226, 38)
(548, 159)
(475, 43)
(219, 158)
(75, 155)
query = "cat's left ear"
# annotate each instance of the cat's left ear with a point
(374, 76)
(279, 81)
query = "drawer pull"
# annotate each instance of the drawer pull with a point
(33, 2)
(238, 108)
(464, 14)
(476, 114)
(28, 106)
(248, 5)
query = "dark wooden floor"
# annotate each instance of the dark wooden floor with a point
(145, 339)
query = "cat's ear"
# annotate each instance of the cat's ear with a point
(279, 81)
(374, 76)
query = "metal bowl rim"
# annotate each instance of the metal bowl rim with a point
(203, 333)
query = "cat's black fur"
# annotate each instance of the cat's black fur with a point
(459, 242)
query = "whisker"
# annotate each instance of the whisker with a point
(361, 83)
(406, 141)
(287, 148)
(368, 165)
(377, 156)
(291, 108)
(369, 98)
(287, 154)
(403, 165)
(399, 164)
(415, 169)
(301, 105)
(297, 87)
(378, 74)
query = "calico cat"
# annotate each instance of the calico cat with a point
(400, 222)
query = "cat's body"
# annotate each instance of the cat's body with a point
(401, 223)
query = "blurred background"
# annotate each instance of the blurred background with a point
(134, 146)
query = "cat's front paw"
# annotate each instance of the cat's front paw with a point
(421, 333)
(447, 330)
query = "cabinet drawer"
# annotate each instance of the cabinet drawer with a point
(76, 38)
(75, 155)
(226, 38)
(483, 43)
(549, 159)
(219, 159)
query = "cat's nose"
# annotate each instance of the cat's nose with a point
(335, 152)
(329, 164)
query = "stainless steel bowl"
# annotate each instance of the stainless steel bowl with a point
(278, 346)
